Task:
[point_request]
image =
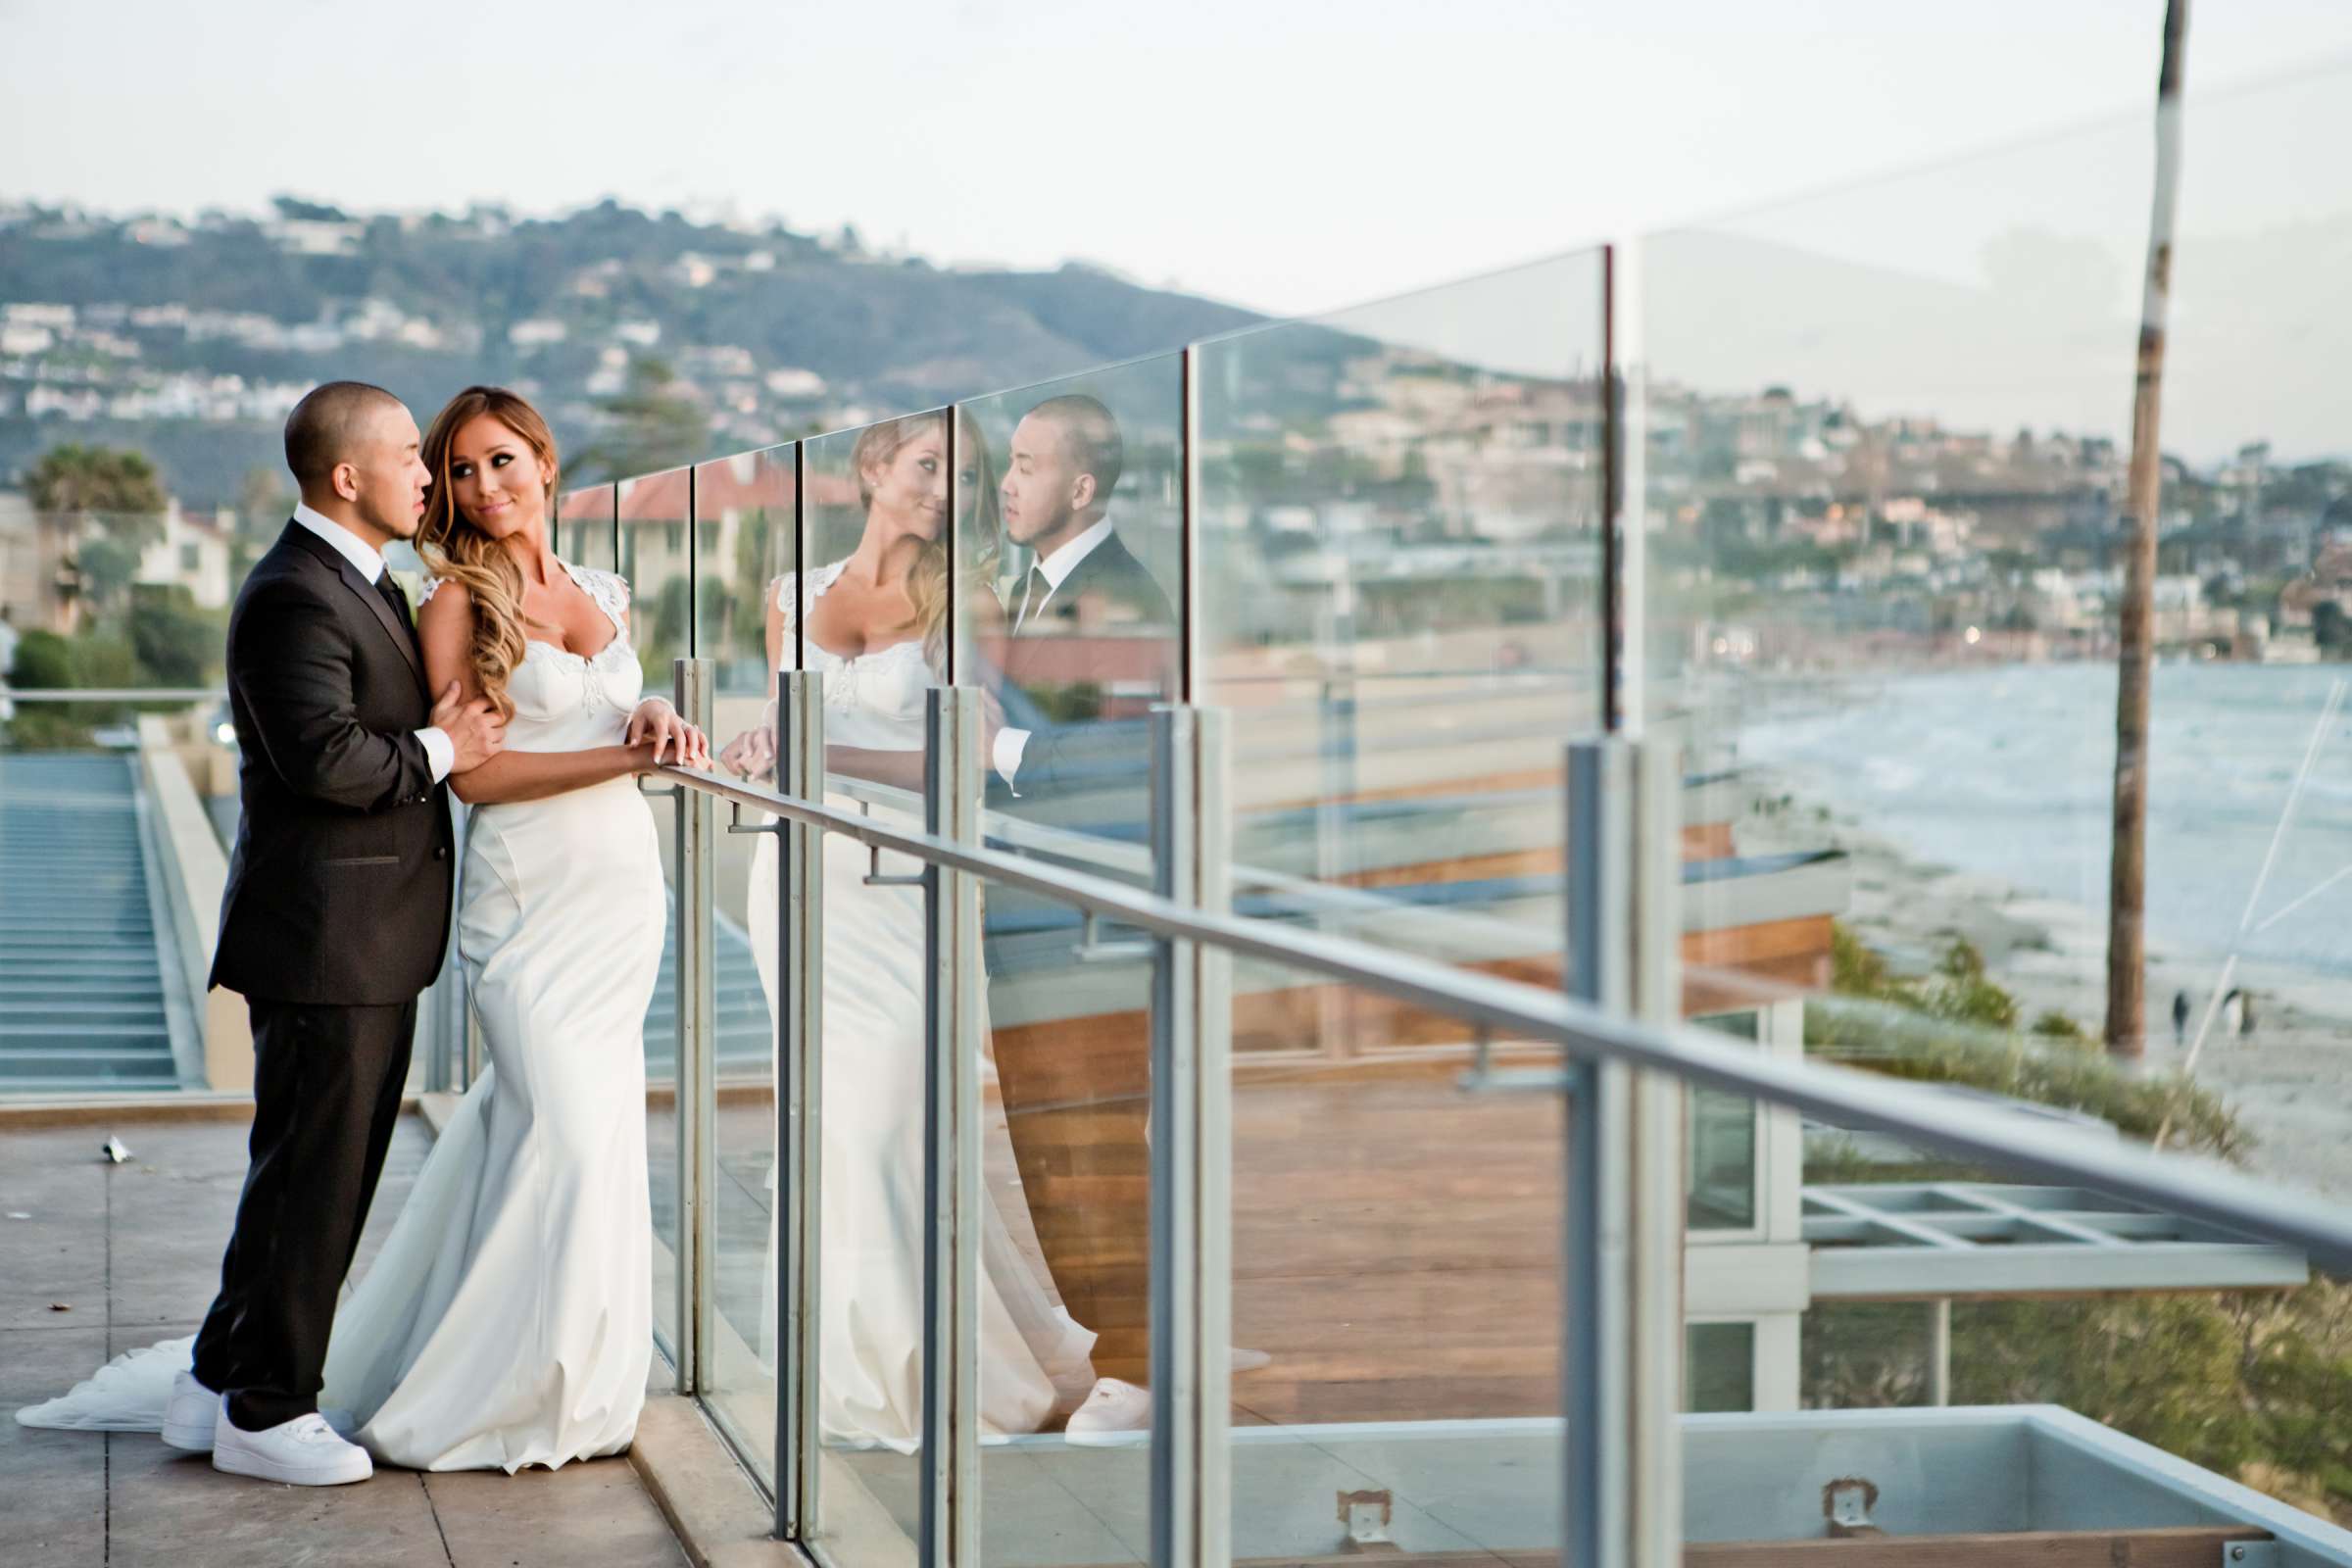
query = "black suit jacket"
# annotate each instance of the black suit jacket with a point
(340, 888)
(1080, 750)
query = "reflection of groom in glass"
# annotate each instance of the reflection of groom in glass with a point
(1091, 633)
(1090, 649)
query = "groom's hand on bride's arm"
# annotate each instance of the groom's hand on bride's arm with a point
(476, 733)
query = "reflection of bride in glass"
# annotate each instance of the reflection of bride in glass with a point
(874, 624)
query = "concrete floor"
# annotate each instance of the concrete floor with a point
(115, 1256)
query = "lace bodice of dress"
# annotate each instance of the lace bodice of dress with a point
(566, 702)
(874, 700)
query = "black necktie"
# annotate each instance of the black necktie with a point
(395, 598)
(1032, 597)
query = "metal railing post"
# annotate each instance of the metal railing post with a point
(696, 819)
(799, 753)
(1598, 1336)
(1623, 1329)
(953, 991)
(1658, 1167)
(1191, 1152)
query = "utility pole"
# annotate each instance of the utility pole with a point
(2126, 882)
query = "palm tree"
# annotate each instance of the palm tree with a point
(73, 486)
(2127, 883)
(86, 480)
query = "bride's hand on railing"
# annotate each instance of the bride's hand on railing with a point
(673, 740)
(752, 754)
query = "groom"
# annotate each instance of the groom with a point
(1092, 644)
(1059, 472)
(335, 915)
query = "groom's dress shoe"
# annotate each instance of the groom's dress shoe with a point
(302, 1453)
(188, 1419)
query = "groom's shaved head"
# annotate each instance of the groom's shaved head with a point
(1091, 435)
(330, 425)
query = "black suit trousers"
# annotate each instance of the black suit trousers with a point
(326, 1085)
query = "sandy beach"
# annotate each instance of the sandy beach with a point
(2288, 1078)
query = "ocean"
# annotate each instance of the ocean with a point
(2008, 771)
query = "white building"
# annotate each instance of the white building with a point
(193, 554)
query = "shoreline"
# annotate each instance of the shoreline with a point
(2288, 1079)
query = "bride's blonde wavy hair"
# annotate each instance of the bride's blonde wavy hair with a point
(454, 549)
(878, 445)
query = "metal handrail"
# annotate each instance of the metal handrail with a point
(2192, 1187)
(1453, 935)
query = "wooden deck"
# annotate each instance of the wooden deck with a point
(1396, 1242)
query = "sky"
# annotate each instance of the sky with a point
(1292, 155)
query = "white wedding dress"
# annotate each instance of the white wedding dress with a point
(507, 1319)
(870, 1201)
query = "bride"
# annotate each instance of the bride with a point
(874, 623)
(507, 1319)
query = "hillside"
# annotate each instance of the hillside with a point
(188, 341)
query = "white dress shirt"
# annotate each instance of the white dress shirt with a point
(1056, 568)
(368, 562)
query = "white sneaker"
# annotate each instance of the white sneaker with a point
(1114, 1412)
(302, 1453)
(194, 1412)
(190, 1418)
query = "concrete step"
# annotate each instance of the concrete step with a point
(82, 994)
(94, 1036)
(16, 1066)
(65, 1085)
(69, 910)
(65, 869)
(91, 913)
(37, 1018)
(98, 919)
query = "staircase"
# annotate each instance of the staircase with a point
(81, 981)
(747, 1039)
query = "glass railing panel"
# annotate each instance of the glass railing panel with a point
(869, 612)
(1397, 1259)
(1864, 502)
(1072, 628)
(584, 532)
(653, 557)
(2248, 896)
(1072, 558)
(744, 551)
(1965, 1357)
(1397, 1255)
(1399, 601)
(1065, 1246)
(1885, 524)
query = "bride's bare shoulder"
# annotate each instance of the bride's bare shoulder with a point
(444, 598)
